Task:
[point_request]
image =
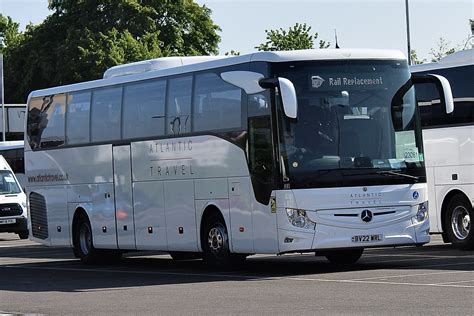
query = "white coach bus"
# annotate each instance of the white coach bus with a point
(449, 148)
(272, 152)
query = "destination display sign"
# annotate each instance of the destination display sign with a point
(361, 81)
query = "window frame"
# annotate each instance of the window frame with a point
(223, 133)
(243, 104)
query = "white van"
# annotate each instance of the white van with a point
(13, 213)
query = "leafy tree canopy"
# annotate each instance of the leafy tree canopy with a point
(9, 34)
(298, 36)
(82, 38)
(415, 60)
(442, 49)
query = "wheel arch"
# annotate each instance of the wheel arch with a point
(79, 212)
(209, 211)
(444, 206)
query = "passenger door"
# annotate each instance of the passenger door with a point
(124, 213)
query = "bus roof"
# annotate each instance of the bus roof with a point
(156, 68)
(458, 59)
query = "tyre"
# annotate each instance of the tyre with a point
(458, 222)
(215, 244)
(344, 256)
(24, 235)
(84, 246)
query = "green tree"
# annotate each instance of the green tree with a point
(81, 39)
(233, 53)
(415, 60)
(9, 34)
(297, 37)
(443, 48)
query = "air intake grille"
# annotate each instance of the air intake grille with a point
(39, 219)
(10, 209)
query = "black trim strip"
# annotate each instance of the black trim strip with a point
(384, 213)
(229, 135)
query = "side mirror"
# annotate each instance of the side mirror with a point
(287, 92)
(444, 88)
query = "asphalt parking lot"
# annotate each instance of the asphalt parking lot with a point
(433, 279)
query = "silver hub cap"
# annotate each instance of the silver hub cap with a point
(85, 239)
(461, 222)
(216, 240)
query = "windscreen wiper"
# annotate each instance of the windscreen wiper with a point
(398, 173)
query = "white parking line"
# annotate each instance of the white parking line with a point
(455, 282)
(402, 260)
(383, 282)
(410, 275)
(417, 255)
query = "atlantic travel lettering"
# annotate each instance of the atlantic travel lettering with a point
(167, 147)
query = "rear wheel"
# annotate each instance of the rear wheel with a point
(24, 234)
(344, 256)
(458, 222)
(84, 246)
(215, 244)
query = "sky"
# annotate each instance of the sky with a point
(359, 23)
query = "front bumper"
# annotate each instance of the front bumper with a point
(406, 232)
(20, 225)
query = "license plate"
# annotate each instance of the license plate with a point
(367, 238)
(7, 221)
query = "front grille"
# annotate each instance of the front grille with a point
(10, 209)
(38, 216)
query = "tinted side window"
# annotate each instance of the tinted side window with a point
(460, 78)
(144, 109)
(179, 106)
(19, 165)
(45, 127)
(259, 104)
(260, 146)
(217, 104)
(77, 118)
(433, 113)
(14, 157)
(106, 110)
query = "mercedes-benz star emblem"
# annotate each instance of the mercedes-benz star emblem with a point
(366, 216)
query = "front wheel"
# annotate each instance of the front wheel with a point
(344, 256)
(215, 244)
(458, 223)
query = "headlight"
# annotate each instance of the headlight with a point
(422, 213)
(298, 218)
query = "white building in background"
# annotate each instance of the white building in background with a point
(15, 121)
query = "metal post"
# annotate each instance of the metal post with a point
(408, 31)
(2, 96)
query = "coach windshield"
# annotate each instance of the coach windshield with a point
(357, 124)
